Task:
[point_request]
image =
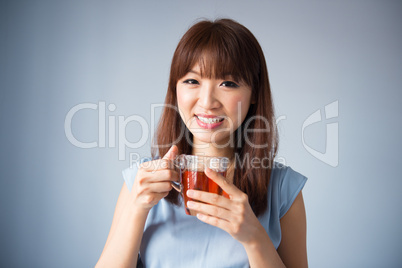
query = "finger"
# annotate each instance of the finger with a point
(171, 154)
(161, 187)
(162, 195)
(165, 163)
(158, 164)
(214, 221)
(229, 188)
(209, 198)
(154, 187)
(167, 175)
(211, 210)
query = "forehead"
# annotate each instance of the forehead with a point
(212, 70)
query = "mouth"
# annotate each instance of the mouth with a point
(208, 121)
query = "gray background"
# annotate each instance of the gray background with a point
(57, 200)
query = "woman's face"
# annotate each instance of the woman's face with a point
(212, 109)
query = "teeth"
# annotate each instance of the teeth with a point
(209, 120)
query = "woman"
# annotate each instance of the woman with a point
(218, 103)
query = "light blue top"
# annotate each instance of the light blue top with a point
(173, 239)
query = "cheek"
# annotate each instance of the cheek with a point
(184, 102)
(239, 110)
(182, 99)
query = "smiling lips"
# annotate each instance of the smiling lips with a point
(209, 121)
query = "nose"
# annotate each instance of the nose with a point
(207, 98)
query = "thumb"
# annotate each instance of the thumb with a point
(171, 154)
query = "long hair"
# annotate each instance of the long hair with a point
(220, 48)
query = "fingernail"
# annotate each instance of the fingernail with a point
(190, 193)
(190, 204)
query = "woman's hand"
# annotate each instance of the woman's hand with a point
(233, 215)
(153, 180)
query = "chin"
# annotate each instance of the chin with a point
(209, 138)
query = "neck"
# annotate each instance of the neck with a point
(208, 149)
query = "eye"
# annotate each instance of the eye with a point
(191, 82)
(229, 84)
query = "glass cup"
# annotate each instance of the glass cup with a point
(192, 175)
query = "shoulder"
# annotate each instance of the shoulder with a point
(285, 184)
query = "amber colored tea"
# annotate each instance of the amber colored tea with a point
(198, 180)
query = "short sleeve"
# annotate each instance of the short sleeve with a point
(129, 176)
(292, 183)
(130, 173)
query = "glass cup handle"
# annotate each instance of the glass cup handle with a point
(176, 185)
(178, 167)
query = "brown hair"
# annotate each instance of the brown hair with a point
(220, 48)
